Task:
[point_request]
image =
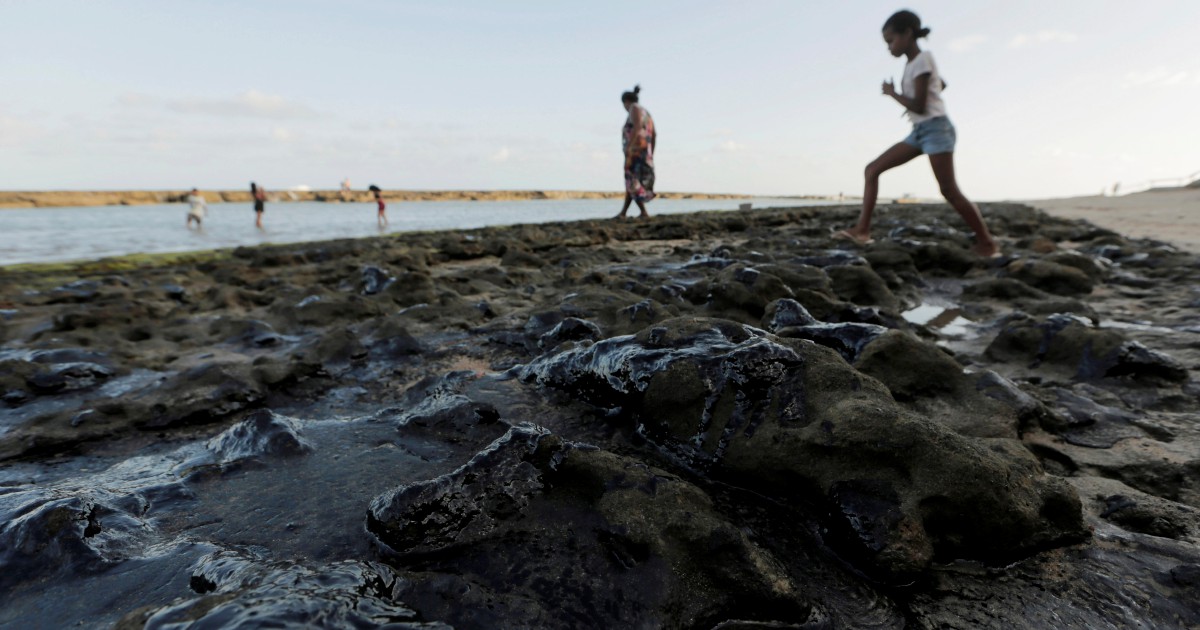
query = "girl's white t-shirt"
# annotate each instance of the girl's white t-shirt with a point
(921, 64)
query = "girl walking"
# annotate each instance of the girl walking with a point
(921, 95)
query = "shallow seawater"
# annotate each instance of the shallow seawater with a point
(311, 508)
(61, 234)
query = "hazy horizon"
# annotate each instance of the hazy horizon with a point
(770, 97)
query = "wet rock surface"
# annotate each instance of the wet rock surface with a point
(703, 421)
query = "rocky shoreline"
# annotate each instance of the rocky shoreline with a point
(717, 420)
(82, 198)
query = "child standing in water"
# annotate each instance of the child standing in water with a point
(381, 218)
(260, 199)
(198, 209)
(932, 134)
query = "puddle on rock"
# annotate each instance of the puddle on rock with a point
(947, 320)
(306, 507)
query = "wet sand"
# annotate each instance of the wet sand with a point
(1171, 216)
(696, 421)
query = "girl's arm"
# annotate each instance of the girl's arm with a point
(915, 103)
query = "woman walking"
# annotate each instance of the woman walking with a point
(921, 95)
(638, 139)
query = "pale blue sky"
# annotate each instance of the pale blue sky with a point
(758, 96)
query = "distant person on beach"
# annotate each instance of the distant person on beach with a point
(345, 189)
(638, 138)
(260, 200)
(381, 218)
(921, 95)
(198, 209)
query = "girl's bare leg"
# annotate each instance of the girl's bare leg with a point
(943, 170)
(897, 154)
(642, 206)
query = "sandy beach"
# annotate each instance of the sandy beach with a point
(1172, 216)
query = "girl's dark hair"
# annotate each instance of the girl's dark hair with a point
(253, 186)
(905, 21)
(631, 97)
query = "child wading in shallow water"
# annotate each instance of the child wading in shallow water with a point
(260, 200)
(921, 95)
(381, 217)
(198, 209)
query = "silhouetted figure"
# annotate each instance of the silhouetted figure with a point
(260, 201)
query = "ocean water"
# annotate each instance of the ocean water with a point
(65, 234)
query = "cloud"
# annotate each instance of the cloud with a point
(1043, 37)
(967, 44)
(282, 135)
(252, 104)
(729, 146)
(1158, 77)
(502, 155)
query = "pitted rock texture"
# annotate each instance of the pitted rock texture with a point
(596, 531)
(793, 420)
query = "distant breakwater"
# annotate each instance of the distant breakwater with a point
(69, 198)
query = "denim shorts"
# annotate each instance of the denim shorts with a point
(933, 136)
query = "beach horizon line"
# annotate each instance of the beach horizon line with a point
(79, 198)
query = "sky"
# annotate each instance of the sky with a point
(769, 97)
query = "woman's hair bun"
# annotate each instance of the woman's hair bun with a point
(923, 32)
(637, 89)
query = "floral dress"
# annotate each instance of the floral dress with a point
(639, 174)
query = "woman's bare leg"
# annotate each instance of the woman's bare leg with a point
(642, 206)
(897, 154)
(943, 170)
(625, 208)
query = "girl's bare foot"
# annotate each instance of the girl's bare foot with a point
(987, 250)
(852, 235)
